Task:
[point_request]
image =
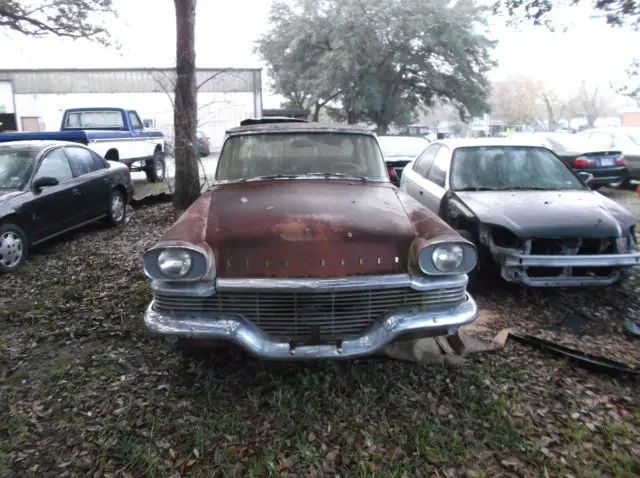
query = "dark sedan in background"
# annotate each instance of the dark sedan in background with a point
(203, 144)
(398, 151)
(605, 163)
(51, 187)
(625, 139)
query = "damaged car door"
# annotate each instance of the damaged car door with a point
(430, 183)
(415, 172)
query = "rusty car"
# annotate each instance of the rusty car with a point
(528, 212)
(303, 249)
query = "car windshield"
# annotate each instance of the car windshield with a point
(15, 167)
(509, 167)
(248, 156)
(398, 146)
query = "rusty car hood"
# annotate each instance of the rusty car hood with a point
(582, 213)
(308, 228)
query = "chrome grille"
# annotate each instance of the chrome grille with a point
(296, 315)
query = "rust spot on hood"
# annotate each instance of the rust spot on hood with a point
(191, 227)
(312, 228)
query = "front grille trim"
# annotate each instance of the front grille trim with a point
(294, 316)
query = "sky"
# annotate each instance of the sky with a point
(226, 32)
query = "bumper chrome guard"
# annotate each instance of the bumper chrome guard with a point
(238, 330)
(593, 260)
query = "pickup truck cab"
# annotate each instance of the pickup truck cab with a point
(116, 134)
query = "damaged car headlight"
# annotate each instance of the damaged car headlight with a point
(177, 263)
(448, 257)
(174, 263)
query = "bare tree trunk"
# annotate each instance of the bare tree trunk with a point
(351, 115)
(185, 116)
(316, 112)
(382, 128)
(552, 124)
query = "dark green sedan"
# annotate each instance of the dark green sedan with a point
(50, 187)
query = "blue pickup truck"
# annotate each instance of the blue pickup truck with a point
(114, 133)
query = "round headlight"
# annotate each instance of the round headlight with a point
(447, 257)
(174, 263)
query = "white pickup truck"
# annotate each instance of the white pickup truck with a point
(114, 133)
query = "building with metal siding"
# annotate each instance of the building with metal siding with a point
(225, 96)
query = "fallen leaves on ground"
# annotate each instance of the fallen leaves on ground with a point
(85, 392)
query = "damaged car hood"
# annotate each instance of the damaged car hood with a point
(6, 194)
(550, 213)
(308, 228)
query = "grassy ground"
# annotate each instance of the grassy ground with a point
(84, 392)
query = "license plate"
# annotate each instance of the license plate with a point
(607, 162)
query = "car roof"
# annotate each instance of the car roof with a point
(299, 127)
(612, 129)
(402, 136)
(470, 142)
(38, 143)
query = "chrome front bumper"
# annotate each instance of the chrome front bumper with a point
(238, 330)
(513, 268)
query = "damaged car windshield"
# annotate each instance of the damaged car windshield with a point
(15, 167)
(509, 167)
(249, 156)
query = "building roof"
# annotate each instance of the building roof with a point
(128, 80)
(299, 127)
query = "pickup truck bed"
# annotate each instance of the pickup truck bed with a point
(73, 136)
(123, 139)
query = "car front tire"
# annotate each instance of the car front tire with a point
(117, 208)
(13, 247)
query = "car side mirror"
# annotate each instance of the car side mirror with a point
(585, 177)
(43, 182)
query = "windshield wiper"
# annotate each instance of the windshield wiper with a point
(301, 175)
(336, 175)
(278, 176)
(477, 188)
(528, 188)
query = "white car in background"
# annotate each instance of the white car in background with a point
(398, 151)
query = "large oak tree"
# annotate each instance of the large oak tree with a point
(379, 59)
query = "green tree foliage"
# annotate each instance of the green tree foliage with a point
(616, 12)
(379, 58)
(63, 18)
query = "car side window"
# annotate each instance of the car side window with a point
(438, 171)
(82, 160)
(135, 121)
(55, 165)
(422, 164)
